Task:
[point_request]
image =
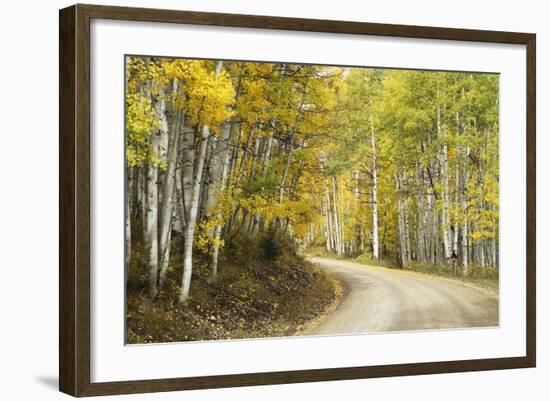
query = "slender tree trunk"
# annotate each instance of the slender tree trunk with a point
(152, 227)
(421, 217)
(464, 210)
(406, 230)
(267, 156)
(444, 163)
(481, 247)
(128, 202)
(327, 226)
(180, 200)
(494, 250)
(239, 173)
(192, 215)
(255, 157)
(143, 202)
(193, 173)
(336, 219)
(332, 241)
(455, 226)
(223, 153)
(465, 241)
(128, 217)
(265, 167)
(168, 190)
(341, 220)
(287, 167)
(291, 145)
(207, 178)
(375, 242)
(401, 223)
(153, 196)
(401, 232)
(218, 163)
(187, 173)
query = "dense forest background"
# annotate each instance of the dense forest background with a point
(226, 158)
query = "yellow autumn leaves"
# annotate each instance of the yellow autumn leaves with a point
(203, 95)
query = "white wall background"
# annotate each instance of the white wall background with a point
(29, 185)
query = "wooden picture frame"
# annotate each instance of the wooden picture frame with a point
(74, 200)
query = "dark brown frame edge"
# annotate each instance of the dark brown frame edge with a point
(74, 199)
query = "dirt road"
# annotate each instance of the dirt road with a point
(381, 299)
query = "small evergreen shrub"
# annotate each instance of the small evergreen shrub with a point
(271, 244)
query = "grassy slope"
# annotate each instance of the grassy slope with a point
(252, 298)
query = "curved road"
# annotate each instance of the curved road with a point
(382, 299)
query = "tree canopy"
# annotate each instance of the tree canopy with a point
(396, 164)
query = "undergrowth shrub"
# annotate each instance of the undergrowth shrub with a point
(271, 244)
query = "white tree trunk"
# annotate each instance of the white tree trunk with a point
(444, 164)
(287, 168)
(255, 157)
(421, 225)
(432, 229)
(153, 196)
(406, 230)
(401, 232)
(326, 225)
(267, 155)
(265, 167)
(331, 229)
(456, 222)
(336, 220)
(494, 251)
(481, 247)
(128, 228)
(218, 162)
(219, 175)
(341, 220)
(465, 241)
(401, 223)
(291, 144)
(167, 192)
(192, 215)
(152, 227)
(464, 210)
(375, 242)
(142, 176)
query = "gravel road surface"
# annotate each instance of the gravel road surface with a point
(382, 299)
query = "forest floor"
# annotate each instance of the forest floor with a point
(380, 299)
(252, 298)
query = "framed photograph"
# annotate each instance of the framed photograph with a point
(250, 200)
